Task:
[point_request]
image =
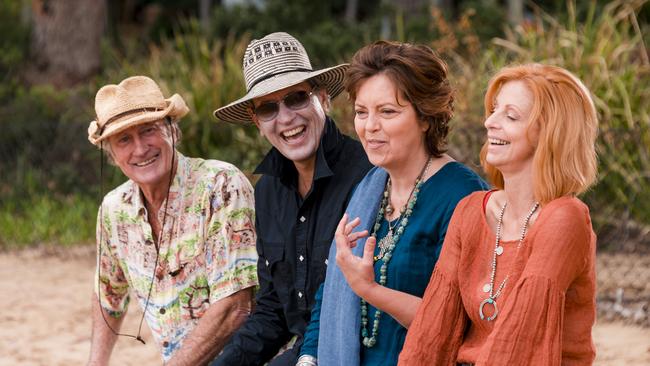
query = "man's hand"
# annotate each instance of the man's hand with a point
(214, 329)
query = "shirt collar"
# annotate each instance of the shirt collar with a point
(276, 165)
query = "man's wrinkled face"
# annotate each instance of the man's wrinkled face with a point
(144, 153)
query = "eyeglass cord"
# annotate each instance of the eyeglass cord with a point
(160, 235)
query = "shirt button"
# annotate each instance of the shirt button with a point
(165, 344)
(301, 258)
(300, 294)
(327, 262)
(302, 219)
(267, 262)
(162, 311)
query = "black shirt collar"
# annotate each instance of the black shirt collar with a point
(275, 164)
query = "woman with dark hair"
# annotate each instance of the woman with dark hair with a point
(403, 103)
(515, 284)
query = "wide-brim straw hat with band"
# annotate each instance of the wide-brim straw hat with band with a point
(273, 63)
(134, 101)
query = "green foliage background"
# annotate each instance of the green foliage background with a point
(50, 181)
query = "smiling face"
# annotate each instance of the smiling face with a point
(295, 133)
(144, 154)
(510, 142)
(386, 123)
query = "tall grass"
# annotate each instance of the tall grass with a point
(47, 219)
(605, 49)
(207, 74)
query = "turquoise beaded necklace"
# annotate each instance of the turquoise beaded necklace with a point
(386, 247)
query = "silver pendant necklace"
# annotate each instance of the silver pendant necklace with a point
(386, 252)
(389, 239)
(498, 250)
(385, 242)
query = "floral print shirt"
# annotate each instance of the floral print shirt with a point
(207, 250)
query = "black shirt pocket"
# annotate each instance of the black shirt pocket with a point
(280, 270)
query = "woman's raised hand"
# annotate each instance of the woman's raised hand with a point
(358, 271)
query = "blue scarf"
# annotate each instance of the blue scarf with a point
(339, 338)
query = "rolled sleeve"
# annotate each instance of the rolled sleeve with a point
(111, 286)
(230, 239)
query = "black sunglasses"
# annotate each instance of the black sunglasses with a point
(295, 101)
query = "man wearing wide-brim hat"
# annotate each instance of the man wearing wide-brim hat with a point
(306, 180)
(178, 235)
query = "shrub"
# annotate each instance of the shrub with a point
(47, 219)
(49, 188)
(607, 51)
(207, 73)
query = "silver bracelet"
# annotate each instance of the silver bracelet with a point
(307, 360)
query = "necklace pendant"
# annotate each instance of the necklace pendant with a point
(384, 243)
(488, 301)
(487, 287)
(499, 250)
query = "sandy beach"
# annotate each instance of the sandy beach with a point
(46, 316)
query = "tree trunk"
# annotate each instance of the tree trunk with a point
(65, 43)
(351, 11)
(515, 12)
(205, 15)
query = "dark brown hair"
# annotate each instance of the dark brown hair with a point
(420, 76)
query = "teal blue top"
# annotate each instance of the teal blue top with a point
(413, 259)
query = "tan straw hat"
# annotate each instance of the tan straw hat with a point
(273, 63)
(136, 100)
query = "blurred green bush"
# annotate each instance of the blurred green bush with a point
(49, 189)
(207, 73)
(605, 48)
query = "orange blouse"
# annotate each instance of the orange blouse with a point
(546, 309)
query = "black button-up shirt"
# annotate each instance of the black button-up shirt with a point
(293, 240)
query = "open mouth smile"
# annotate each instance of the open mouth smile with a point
(147, 162)
(493, 141)
(294, 133)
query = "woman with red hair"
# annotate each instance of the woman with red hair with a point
(515, 282)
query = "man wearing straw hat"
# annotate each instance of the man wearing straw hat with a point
(179, 234)
(306, 180)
